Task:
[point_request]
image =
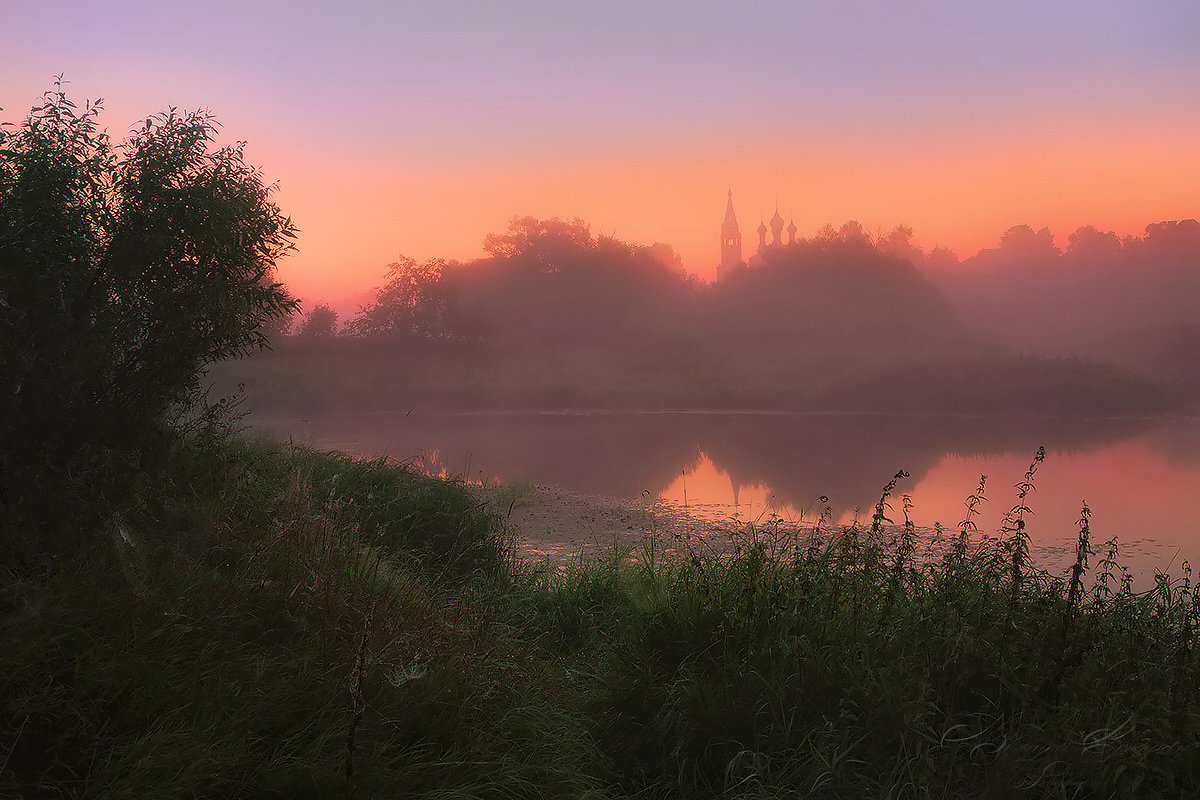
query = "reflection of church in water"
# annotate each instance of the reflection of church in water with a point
(731, 239)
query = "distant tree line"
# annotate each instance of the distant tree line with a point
(552, 281)
(844, 290)
(1102, 295)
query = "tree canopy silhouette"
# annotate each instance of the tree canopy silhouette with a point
(414, 303)
(124, 271)
(321, 322)
(544, 280)
(547, 242)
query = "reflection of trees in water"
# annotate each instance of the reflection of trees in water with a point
(845, 459)
(848, 458)
(613, 454)
(1178, 441)
(799, 456)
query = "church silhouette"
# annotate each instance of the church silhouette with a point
(731, 239)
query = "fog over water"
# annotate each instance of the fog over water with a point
(1139, 476)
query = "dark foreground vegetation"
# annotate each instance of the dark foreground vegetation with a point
(262, 621)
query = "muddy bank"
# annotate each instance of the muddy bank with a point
(556, 524)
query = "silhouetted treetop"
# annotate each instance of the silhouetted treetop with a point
(550, 242)
(1173, 238)
(1022, 241)
(831, 290)
(556, 246)
(416, 302)
(321, 322)
(940, 258)
(898, 242)
(1090, 244)
(552, 280)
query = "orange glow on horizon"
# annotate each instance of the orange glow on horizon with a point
(357, 213)
(362, 205)
(418, 129)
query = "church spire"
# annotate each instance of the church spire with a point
(731, 240)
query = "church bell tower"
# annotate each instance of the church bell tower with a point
(731, 240)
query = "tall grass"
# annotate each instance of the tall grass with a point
(836, 664)
(270, 622)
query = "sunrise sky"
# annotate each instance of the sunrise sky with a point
(417, 128)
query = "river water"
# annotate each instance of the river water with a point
(1139, 476)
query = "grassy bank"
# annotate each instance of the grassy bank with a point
(269, 621)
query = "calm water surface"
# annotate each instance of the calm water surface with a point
(1141, 477)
